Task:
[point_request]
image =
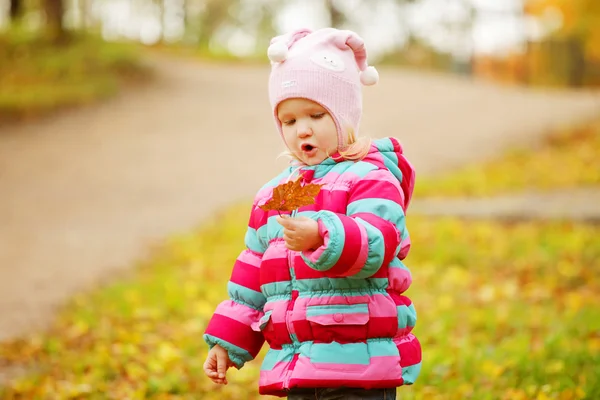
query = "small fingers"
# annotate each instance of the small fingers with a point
(222, 361)
(209, 368)
(219, 381)
(286, 222)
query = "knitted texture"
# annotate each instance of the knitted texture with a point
(326, 66)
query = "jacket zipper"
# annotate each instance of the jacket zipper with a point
(289, 311)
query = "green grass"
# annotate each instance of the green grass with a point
(567, 158)
(37, 77)
(506, 311)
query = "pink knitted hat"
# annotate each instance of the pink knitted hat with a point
(326, 66)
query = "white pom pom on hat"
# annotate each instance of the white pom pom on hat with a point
(278, 51)
(369, 76)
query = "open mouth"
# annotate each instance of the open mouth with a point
(307, 147)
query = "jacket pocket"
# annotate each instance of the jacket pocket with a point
(337, 322)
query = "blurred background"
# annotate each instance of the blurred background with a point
(529, 42)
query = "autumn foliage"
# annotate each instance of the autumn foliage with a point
(506, 311)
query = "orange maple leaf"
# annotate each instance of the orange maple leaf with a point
(292, 195)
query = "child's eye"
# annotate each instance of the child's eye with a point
(318, 116)
(289, 122)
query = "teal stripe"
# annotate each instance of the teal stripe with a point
(384, 208)
(358, 286)
(410, 374)
(282, 289)
(276, 356)
(252, 241)
(384, 144)
(407, 316)
(362, 168)
(404, 231)
(263, 236)
(308, 214)
(313, 311)
(237, 355)
(376, 251)
(337, 237)
(382, 348)
(390, 160)
(246, 296)
(350, 353)
(323, 169)
(397, 263)
(272, 229)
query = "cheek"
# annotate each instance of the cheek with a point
(288, 136)
(332, 136)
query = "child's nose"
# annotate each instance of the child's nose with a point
(304, 130)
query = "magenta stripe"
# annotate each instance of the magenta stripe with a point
(321, 383)
(389, 231)
(352, 246)
(410, 350)
(274, 270)
(400, 279)
(361, 259)
(246, 275)
(408, 179)
(236, 333)
(258, 218)
(404, 248)
(374, 189)
(400, 299)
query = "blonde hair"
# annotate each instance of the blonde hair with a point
(355, 150)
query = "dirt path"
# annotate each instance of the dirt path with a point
(84, 193)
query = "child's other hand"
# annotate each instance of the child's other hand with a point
(300, 233)
(216, 365)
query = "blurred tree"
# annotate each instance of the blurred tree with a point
(336, 15)
(55, 29)
(15, 10)
(574, 35)
(265, 26)
(214, 15)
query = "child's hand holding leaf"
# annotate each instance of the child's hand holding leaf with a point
(300, 233)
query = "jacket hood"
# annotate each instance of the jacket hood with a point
(388, 153)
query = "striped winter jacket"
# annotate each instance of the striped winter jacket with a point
(334, 316)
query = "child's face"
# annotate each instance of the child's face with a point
(308, 129)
